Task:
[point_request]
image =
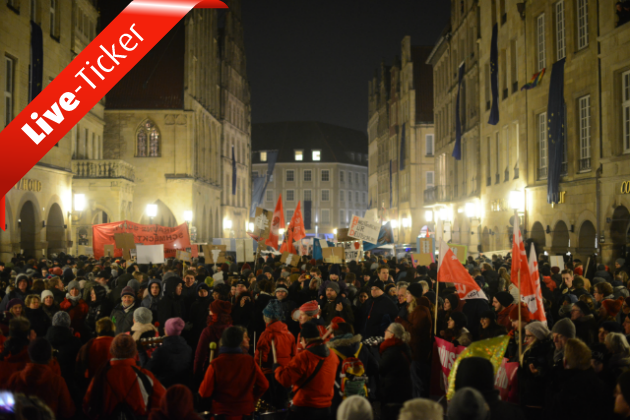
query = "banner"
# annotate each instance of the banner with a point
(364, 230)
(506, 381)
(448, 354)
(173, 239)
(85, 81)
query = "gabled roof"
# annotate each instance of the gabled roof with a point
(337, 144)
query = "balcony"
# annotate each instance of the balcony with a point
(103, 169)
(438, 193)
(430, 195)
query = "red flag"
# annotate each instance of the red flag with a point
(452, 271)
(534, 302)
(276, 224)
(295, 231)
(519, 257)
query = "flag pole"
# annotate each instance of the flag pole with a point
(520, 326)
(437, 288)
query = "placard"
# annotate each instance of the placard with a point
(86, 250)
(150, 254)
(421, 259)
(124, 241)
(290, 259)
(342, 235)
(557, 261)
(426, 246)
(262, 223)
(353, 251)
(183, 256)
(333, 255)
(215, 254)
(108, 250)
(364, 229)
(460, 251)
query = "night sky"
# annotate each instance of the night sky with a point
(312, 60)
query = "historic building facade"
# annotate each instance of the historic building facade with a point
(511, 159)
(401, 140)
(321, 163)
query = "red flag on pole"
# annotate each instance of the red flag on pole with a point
(295, 231)
(519, 256)
(534, 302)
(276, 224)
(452, 271)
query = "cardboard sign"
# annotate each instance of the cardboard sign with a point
(342, 235)
(86, 250)
(124, 241)
(150, 254)
(352, 251)
(426, 246)
(333, 255)
(215, 254)
(557, 261)
(364, 230)
(183, 256)
(262, 223)
(460, 251)
(290, 259)
(421, 259)
(108, 250)
(371, 215)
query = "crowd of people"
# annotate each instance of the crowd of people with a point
(99, 339)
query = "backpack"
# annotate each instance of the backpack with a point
(353, 379)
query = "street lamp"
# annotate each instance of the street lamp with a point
(227, 224)
(335, 231)
(471, 210)
(79, 202)
(516, 201)
(188, 216)
(151, 211)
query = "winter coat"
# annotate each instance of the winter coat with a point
(318, 393)
(420, 325)
(288, 306)
(532, 386)
(39, 320)
(77, 309)
(242, 315)
(258, 323)
(492, 280)
(211, 334)
(151, 302)
(16, 293)
(121, 384)
(571, 395)
(473, 309)
(378, 313)
(121, 282)
(170, 306)
(199, 316)
(67, 346)
(586, 329)
(395, 379)
(96, 311)
(320, 327)
(284, 342)
(329, 310)
(234, 382)
(123, 320)
(92, 356)
(493, 330)
(40, 381)
(171, 362)
(342, 287)
(139, 331)
(51, 310)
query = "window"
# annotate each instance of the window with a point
(342, 195)
(488, 163)
(542, 145)
(307, 195)
(363, 178)
(430, 179)
(325, 217)
(363, 198)
(582, 23)
(342, 217)
(53, 19)
(341, 176)
(325, 195)
(625, 78)
(429, 144)
(290, 214)
(356, 197)
(497, 144)
(325, 175)
(356, 178)
(263, 156)
(307, 175)
(9, 89)
(14, 4)
(349, 196)
(290, 195)
(585, 132)
(299, 155)
(270, 195)
(506, 137)
(349, 178)
(560, 40)
(514, 65)
(147, 140)
(290, 175)
(540, 36)
(317, 155)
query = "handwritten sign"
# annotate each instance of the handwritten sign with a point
(108, 250)
(290, 259)
(421, 259)
(262, 223)
(353, 251)
(364, 230)
(333, 255)
(183, 256)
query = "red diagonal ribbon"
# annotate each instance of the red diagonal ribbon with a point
(86, 80)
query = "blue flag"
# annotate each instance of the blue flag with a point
(317, 250)
(385, 237)
(457, 150)
(555, 130)
(233, 173)
(402, 149)
(272, 157)
(258, 193)
(494, 76)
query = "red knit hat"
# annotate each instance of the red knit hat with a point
(310, 308)
(612, 306)
(123, 347)
(526, 316)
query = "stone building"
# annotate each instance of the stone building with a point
(401, 140)
(511, 159)
(39, 208)
(321, 163)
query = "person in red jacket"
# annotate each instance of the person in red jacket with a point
(95, 353)
(177, 404)
(38, 379)
(284, 342)
(233, 380)
(312, 374)
(503, 303)
(121, 382)
(218, 321)
(76, 308)
(309, 312)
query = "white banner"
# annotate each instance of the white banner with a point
(364, 230)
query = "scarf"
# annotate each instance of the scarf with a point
(127, 308)
(73, 299)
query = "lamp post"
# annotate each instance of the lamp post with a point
(151, 211)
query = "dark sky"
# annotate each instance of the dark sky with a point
(312, 60)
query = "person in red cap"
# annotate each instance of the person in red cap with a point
(309, 312)
(218, 320)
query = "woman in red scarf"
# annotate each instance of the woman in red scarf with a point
(395, 379)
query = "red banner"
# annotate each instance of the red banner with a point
(507, 381)
(173, 238)
(85, 81)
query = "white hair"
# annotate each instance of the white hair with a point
(421, 409)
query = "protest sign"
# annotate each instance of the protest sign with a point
(183, 256)
(364, 230)
(290, 259)
(557, 261)
(214, 254)
(352, 250)
(333, 255)
(426, 246)
(460, 251)
(342, 235)
(506, 381)
(421, 259)
(108, 250)
(150, 254)
(262, 223)
(448, 354)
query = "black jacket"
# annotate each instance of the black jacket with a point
(170, 306)
(39, 320)
(473, 309)
(577, 394)
(96, 311)
(329, 310)
(532, 386)
(199, 312)
(67, 347)
(586, 329)
(492, 280)
(171, 363)
(377, 314)
(395, 378)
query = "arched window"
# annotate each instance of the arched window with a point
(148, 140)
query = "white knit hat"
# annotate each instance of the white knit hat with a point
(355, 408)
(47, 293)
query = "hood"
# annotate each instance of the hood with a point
(170, 285)
(339, 343)
(277, 326)
(35, 375)
(159, 283)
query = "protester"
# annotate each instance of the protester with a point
(394, 371)
(76, 308)
(122, 314)
(176, 404)
(95, 353)
(219, 319)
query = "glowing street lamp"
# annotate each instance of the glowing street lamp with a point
(188, 216)
(151, 211)
(79, 202)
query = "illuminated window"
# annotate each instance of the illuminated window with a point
(299, 155)
(263, 156)
(317, 154)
